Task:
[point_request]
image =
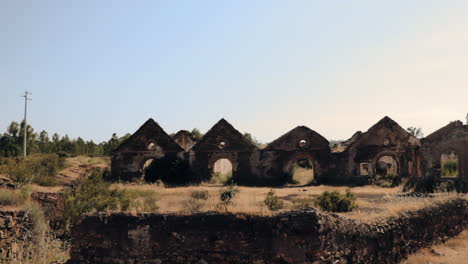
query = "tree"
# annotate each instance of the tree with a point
(13, 129)
(415, 132)
(196, 134)
(44, 145)
(252, 140)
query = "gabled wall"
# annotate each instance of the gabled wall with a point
(128, 159)
(224, 141)
(279, 157)
(452, 138)
(273, 164)
(384, 139)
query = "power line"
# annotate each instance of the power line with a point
(26, 99)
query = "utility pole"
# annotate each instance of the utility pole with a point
(26, 99)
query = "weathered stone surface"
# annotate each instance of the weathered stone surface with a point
(452, 138)
(308, 236)
(14, 231)
(359, 156)
(385, 145)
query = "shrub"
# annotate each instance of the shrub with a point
(335, 202)
(302, 203)
(40, 169)
(193, 205)
(388, 181)
(226, 195)
(450, 168)
(93, 195)
(15, 197)
(434, 184)
(200, 195)
(273, 202)
(142, 200)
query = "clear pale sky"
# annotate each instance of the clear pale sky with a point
(98, 67)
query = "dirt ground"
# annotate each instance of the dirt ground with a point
(374, 203)
(75, 168)
(453, 251)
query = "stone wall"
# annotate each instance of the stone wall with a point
(53, 205)
(14, 230)
(307, 236)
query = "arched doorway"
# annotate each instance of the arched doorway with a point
(303, 171)
(222, 171)
(386, 165)
(145, 168)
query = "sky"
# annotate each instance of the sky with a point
(99, 67)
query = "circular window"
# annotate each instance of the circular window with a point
(151, 146)
(386, 141)
(222, 145)
(302, 143)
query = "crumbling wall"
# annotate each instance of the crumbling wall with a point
(185, 139)
(223, 141)
(280, 156)
(15, 230)
(53, 205)
(150, 141)
(452, 138)
(307, 236)
(361, 154)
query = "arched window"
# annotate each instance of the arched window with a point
(151, 146)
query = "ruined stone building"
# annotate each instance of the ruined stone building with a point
(148, 143)
(384, 149)
(298, 147)
(446, 152)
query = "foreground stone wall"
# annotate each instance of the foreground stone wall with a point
(14, 231)
(306, 236)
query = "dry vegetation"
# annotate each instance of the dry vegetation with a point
(453, 251)
(374, 202)
(43, 247)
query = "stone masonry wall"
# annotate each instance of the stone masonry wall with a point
(307, 236)
(14, 230)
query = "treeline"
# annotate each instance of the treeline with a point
(11, 143)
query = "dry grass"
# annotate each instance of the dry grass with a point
(454, 251)
(374, 203)
(75, 168)
(42, 248)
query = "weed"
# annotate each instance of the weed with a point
(335, 202)
(273, 202)
(200, 195)
(226, 195)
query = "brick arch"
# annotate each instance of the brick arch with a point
(231, 156)
(392, 154)
(294, 158)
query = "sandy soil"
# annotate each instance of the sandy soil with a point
(453, 251)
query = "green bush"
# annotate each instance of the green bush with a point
(335, 202)
(434, 184)
(388, 181)
(200, 195)
(39, 169)
(93, 195)
(450, 169)
(273, 202)
(226, 195)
